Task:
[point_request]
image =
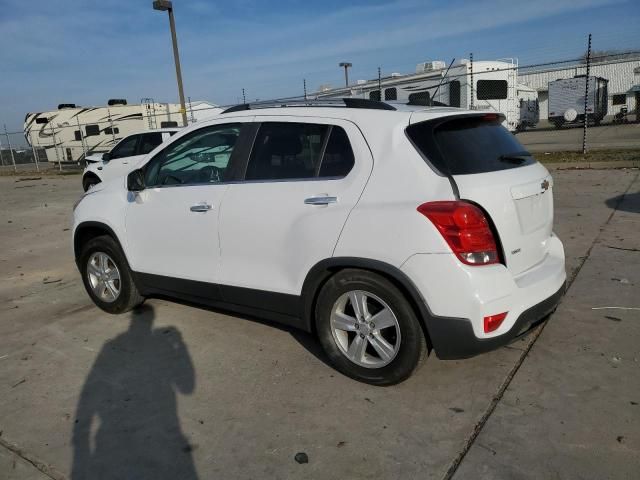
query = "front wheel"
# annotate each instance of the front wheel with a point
(368, 329)
(107, 277)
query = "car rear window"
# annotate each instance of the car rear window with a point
(469, 145)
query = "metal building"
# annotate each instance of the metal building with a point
(622, 71)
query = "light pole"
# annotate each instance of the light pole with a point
(346, 66)
(167, 6)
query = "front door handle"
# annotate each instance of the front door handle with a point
(320, 200)
(200, 207)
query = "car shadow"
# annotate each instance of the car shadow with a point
(629, 202)
(126, 423)
(307, 340)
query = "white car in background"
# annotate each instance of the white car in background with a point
(121, 159)
(382, 230)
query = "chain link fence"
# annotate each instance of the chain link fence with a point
(582, 104)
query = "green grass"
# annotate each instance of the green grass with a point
(594, 156)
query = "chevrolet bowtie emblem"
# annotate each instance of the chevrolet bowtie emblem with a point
(545, 185)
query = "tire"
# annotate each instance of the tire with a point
(128, 296)
(405, 335)
(89, 181)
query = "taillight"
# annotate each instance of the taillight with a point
(492, 322)
(465, 229)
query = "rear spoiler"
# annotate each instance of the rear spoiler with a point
(436, 122)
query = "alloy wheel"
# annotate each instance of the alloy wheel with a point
(365, 329)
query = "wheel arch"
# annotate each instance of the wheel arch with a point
(90, 175)
(322, 271)
(85, 231)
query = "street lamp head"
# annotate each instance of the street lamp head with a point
(162, 5)
(345, 64)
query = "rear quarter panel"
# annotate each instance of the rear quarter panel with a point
(385, 225)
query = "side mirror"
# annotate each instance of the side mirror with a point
(135, 181)
(106, 157)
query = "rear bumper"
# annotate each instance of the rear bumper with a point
(454, 338)
(458, 297)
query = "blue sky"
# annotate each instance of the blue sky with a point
(86, 51)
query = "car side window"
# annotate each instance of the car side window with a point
(200, 157)
(125, 148)
(287, 150)
(148, 142)
(338, 156)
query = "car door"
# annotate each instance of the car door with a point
(172, 225)
(120, 157)
(302, 179)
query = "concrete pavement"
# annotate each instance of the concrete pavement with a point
(573, 408)
(239, 397)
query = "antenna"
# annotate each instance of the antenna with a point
(441, 81)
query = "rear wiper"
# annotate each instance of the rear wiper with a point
(517, 157)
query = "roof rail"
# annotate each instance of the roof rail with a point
(329, 102)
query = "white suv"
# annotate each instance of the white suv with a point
(123, 156)
(383, 231)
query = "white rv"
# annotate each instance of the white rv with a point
(567, 100)
(71, 133)
(481, 85)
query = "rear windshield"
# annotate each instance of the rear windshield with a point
(469, 145)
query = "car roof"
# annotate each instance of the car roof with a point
(401, 113)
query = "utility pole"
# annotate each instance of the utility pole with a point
(472, 92)
(586, 98)
(346, 66)
(167, 6)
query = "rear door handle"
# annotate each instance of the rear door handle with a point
(200, 207)
(320, 200)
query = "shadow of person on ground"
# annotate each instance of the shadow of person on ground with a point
(625, 203)
(127, 424)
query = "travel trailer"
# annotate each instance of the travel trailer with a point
(481, 85)
(567, 100)
(71, 133)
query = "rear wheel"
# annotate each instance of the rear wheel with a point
(106, 276)
(368, 329)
